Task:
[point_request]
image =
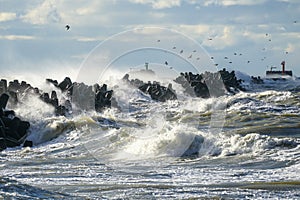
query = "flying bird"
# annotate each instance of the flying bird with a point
(67, 27)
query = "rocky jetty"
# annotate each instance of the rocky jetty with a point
(155, 90)
(209, 84)
(13, 130)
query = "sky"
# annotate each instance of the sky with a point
(245, 35)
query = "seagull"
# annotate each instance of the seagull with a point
(216, 64)
(241, 54)
(230, 62)
(194, 51)
(270, 40)
(181, 51)
(190, 56)
(248, 61)
(198, 58)
(67, 27)
(267, 34)
(225, 57)
(166, 63)
(174, 47)
(212, 58)
(295, 22)
(158, 40)
(286, 52)
(235, 54)
(209, 38)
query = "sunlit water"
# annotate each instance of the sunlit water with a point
(137, 153)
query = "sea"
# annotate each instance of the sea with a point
(237, 146)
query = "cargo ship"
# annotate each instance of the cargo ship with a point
(279, 74)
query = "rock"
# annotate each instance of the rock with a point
(256, 80)
(103, 98)
(3, 86)
(28, 143)
(195, 146)
(60, 110)
(3, 101)
(155, 90)
(13, 97)
(158, 92)
(65, 84)
(2, 143)
(12, 129)
(53, 82)
(209, 84)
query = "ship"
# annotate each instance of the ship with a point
(279, 74)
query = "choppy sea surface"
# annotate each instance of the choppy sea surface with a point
(242, 146)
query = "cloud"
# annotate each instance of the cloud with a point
(43, 13)
(7, 16)
(90, 39)
(290, 1)
(159, 4)
(233, 2)
(290, 48)
(16, 37)
(196, 31)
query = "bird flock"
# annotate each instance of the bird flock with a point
(267, 46)
(227, 58)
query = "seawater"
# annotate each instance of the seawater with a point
(249, 150)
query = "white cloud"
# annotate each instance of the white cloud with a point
(7, 16)
(90, 39)
(159, 4)
(196, 31)
(16, 37)
(290, 1)
(158, 15)
(43, 13)
(233, 2)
